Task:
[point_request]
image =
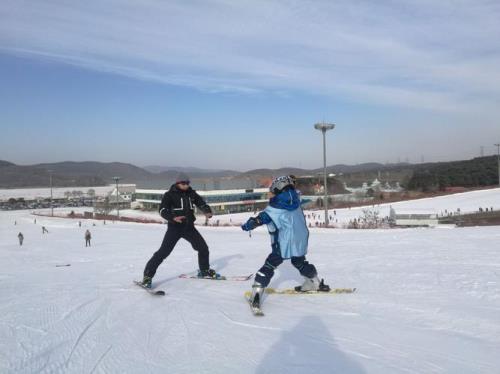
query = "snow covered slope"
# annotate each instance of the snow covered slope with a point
(428, 301)
(467, 202)
(57, 192)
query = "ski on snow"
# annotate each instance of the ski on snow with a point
(256, 310)
(240, 278)
(291, 291)
(149, 290)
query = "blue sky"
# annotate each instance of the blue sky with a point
(225, 84)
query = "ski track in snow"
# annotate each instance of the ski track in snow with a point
(428, 301)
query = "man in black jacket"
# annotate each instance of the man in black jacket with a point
(177, 207)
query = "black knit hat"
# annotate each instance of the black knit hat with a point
(182, 177)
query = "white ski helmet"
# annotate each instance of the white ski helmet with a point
(279, 183)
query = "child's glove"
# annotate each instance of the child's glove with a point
(251, 224)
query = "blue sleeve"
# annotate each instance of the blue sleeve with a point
(252, 223)
(264, 218)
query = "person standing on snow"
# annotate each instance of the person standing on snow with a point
(87, 238)
(20, 236)
(177, 207)
(289, 238)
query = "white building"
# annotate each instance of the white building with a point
(221, 201)
(414, 219)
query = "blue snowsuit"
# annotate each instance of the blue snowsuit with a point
(289, 235)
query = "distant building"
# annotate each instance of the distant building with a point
(121, 199)
(375, 186)
(221, 201)
(125, 193)
(413, 219)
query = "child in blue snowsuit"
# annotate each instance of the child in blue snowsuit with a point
(289, 237)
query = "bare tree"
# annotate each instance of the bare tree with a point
(103, 206)
(370, 219)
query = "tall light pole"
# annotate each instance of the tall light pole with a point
(117, 197)
(51, 204)
(498, 159)
(324, 127)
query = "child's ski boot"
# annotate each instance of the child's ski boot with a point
(255, 299)
(313, 284)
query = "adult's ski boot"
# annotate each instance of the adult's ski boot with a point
(147, 281)
(209, 273)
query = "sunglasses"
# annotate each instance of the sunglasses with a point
(184, 182)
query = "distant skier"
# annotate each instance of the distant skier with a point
(20, 236)
(44, 230)
(289, 237)
(177, 207)
(87, 238)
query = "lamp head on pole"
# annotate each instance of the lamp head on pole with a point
(116, 179)
(324, 126)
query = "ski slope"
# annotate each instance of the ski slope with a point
(467, 202)
(57, 192)
(428, 301)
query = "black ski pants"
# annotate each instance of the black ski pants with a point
(266, 272)
(172, 236)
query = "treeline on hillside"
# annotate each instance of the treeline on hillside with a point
(14, 176)
(481, 171)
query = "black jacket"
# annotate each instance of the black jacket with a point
(176, 202)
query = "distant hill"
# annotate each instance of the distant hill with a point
(478, 172)
(16, 176)
(106, 171)
(356, 175)
(353, 175)
(274, 172)
(191, 171)
(5, 163)
(360, 168)
(90, 173)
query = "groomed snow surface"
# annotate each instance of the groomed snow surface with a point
(428, 301)
(57, 192)
(467, 202)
